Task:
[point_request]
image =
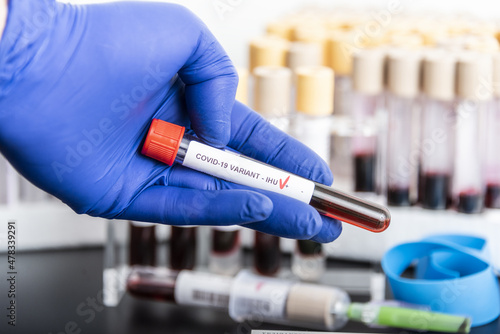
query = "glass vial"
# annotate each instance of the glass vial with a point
(367, 99)
(189, 288)
(182, 247)
(285, 302)
(266, 254)
(341, 63)
(272, 94)
(403, 81)
(341, 126)
(314, 106)
(474, 88)
(225, 255)
(437, 131)
(308, 260)
(142, 244)
(492, 131)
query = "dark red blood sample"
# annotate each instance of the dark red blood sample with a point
(352, 210)
(142, 250)
(153, 288)
(224, 242)
(182, 248)
(469, 202)
(267, 254)
(435, 191)
(309, 248)
(398, 196)
(364, 172)
(492, 199)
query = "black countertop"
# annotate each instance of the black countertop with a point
(60, 291)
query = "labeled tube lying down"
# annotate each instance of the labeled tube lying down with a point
(167, 142)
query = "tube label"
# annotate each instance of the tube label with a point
(202, 289)
(245, 171)
(256, 296)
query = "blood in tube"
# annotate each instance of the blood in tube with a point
(182, 248)
(224, 242)
(469, 201)
(267, 254)
(338, 205)
(309, 248)
(142, 250)
(225, 256)
(145, 286)
(492, 199)
(435, 193)
(308, 260)
(398, 196)
(364, 172)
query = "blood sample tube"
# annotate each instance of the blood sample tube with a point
(272, 94)
(225, 256)
(281, 301)
(308, 260)
(437, 131)
(182, 247)
(341, 63)
(314, 106)
(403, 74)
(266, 254)
(167, 143)
(342, 123)
(267, 51)
(142, 244)
(492, 131)
(474, 91)
(184, 287)
(367, 98)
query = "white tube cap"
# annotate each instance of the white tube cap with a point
(403, 72)
(304, 54)
(368, 71)
(475, 76)
(438, 75)
(272, 91)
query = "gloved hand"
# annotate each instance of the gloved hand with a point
(79, 86)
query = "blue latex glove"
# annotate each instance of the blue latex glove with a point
(79, 86)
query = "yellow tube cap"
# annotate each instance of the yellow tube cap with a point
(314, 90)
(268, 51)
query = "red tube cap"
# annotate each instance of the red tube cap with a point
(163, 141)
